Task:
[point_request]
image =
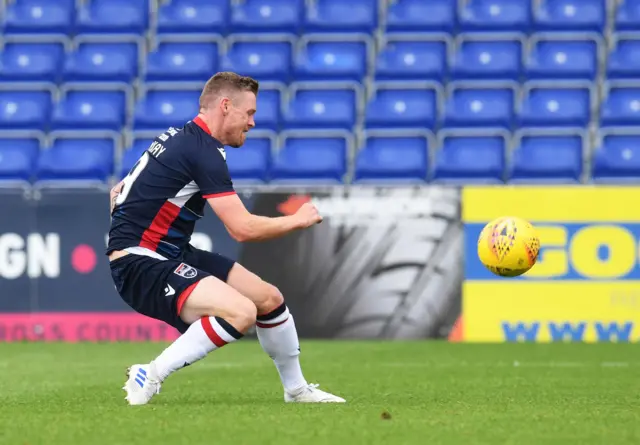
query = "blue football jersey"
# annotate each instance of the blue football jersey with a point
(165, 192)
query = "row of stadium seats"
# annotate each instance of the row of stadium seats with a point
(412, 157)
(303, 106)
(316, 58)
(202, 16)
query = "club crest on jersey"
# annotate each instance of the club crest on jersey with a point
(186, 271)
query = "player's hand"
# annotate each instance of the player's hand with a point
(113, 194)
(308, 215)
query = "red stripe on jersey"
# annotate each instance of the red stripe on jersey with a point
(218, 195)
(211, 333)
(159, 226)
(200, 123)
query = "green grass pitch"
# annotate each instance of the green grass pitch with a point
(434, 393)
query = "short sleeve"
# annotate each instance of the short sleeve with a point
(211, 175)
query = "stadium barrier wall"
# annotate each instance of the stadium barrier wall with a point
(385, 263)
(586, 284)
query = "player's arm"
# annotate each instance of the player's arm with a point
(113, 194)
(244, 226)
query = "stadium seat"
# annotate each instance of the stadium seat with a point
(102, 62)
(479, 107)
(90, 110)
(397, 159)
(320, 60)
(264, 60)
(161, 109)
(472, 159)
(132, 154)
(21, 110)
(563, 59)
(269, 111)
(311, 159)
(341, 16)
(251, 162)
(76, 159)
(402, 108)
(421, 16)
(547, 158)
(193, 16)
(624, 59)
(412, 60)
(555, 107)
(18, 158)
(496, 15)
(628, 16)
(182, 62)
(113, 16)
(40, 17)
(321, 108)
(281, 16)
(617, 159)
(621, 107)
(570, 15)
(31, 62)
(482, 59)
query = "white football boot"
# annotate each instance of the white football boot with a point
(142, 384)
(311, 394)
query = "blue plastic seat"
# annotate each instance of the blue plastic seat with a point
(617, 159)
(628, 16)
(269, 109)
(77, 159)
(113, 16)
(402, 108)
(266, 60)
(40, 16)
(555, 107)
(543, 158)
(251, 162)
(320, 60)
(482, 59)
(472, 159)
(31, 62)
(161, 109)
(412, 60)
(18, 158)
(193, 16)
(340, 16)
(321, 108)
(281, 16)
(570, 15)
(418, 15)
(395, 159)
(102, 62)
(621, 107)
(563, 59)
(496, 15)
(90, 110)
(624, 60)
(21, 110)
(480, 107)
(132, 154)
(182, 61)
(307, 159)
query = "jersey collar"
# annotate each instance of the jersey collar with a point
(200, 123)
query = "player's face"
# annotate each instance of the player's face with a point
(240, 119)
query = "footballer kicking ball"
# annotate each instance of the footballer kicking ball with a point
(508, 246)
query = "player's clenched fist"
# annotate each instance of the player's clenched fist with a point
(308, 215)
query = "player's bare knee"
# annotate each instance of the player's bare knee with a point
(244, 315)
(271, 299)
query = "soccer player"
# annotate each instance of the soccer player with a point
(211, 300)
